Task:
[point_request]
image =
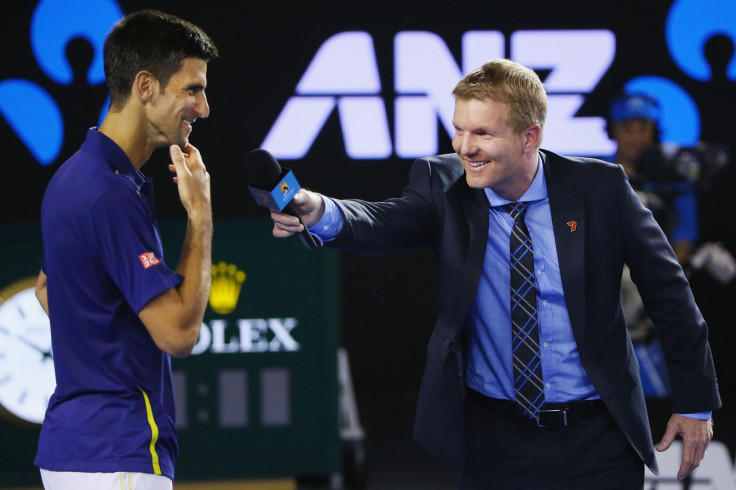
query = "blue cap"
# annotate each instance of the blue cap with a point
(635, 106)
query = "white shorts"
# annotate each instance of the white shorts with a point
(72, 480)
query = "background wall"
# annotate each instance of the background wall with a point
(266, 48)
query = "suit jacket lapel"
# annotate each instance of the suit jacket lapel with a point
(475, 204)
(568, 222)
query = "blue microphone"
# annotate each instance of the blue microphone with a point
(274, 188)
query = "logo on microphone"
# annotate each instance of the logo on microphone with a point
(284, 187)
(227, 281)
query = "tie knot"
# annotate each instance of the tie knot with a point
(517, 210)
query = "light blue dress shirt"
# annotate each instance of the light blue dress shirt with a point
(489, 360)
(330, 225)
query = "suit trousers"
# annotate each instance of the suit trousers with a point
(508, 452)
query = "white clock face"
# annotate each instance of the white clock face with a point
(26, 362)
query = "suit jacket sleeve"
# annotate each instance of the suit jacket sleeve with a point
(400, 224)
(670, 304)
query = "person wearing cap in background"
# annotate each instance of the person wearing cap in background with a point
(665, 184)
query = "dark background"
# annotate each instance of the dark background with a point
(387, 303)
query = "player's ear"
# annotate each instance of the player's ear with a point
(144, 85)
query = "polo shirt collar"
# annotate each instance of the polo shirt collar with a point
(98, 143)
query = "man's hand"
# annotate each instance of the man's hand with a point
(310, 207)
(696, 436)
(192, 180)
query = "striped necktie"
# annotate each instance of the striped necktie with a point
(528, 384)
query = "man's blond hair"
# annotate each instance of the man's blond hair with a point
(509, 82)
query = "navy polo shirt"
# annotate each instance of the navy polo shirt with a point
(113, 407)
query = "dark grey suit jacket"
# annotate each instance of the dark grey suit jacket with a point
(599, 224)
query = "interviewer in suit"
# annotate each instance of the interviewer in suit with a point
(585, 222)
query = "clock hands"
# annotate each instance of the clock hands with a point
(25, 383)
(47, 354)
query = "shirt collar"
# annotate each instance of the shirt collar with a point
(537, 191)
(99, 144)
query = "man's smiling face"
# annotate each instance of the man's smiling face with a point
(491, 153)
(180, 103)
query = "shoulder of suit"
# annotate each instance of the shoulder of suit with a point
(447, 164)
(446, 168)
(577, 164)
(448, 159)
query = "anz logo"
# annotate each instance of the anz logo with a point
(343, 75)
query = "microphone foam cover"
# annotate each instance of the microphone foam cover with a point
(263, 169)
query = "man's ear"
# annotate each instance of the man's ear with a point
(532, 136)
(144, 85)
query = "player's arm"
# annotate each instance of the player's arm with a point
(42, 292)
(174, 317)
